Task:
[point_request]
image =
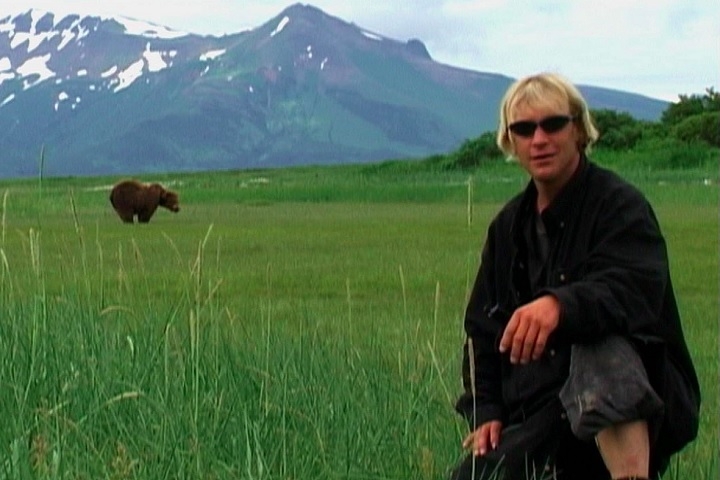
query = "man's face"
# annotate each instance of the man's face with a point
(549, 153)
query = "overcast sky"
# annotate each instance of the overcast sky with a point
(658, 48)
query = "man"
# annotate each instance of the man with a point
(575, 364)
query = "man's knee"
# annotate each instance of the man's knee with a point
(607, 385)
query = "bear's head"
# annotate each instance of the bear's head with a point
(170, 200)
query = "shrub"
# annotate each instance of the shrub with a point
(618, 130)
(472, 153)
(704, 127)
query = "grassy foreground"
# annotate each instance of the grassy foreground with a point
(289, 324)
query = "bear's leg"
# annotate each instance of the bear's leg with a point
(146, 213)
(127, 216)
(144, 216)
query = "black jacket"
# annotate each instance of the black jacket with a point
(608, 268)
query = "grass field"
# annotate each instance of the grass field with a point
(286, 324)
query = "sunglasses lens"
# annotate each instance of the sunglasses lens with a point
(554, 124)
(523, 129)
(526, 128)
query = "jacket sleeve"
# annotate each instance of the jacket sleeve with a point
(619, 286)
(481, 400)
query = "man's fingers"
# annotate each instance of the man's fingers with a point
(540, 344)
(529, 328)
(529, 343)
(481, 441)
(474, 440)
(509, 333)
(495, 428)
(483, 438)
(518, 341)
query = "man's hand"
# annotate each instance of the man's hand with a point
(484, 437)
(528, 329)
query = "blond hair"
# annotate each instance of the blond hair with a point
(545, 90)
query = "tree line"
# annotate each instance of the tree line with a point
(692, 121)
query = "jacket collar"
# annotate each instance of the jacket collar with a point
(563, 204)
(569, 197)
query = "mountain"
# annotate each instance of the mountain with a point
(122, 96)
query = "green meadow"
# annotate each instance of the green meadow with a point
(286, 324)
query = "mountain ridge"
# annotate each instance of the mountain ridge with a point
(122, 96)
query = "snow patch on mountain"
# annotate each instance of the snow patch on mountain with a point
(109, 72)
(280, 26)
(151, 60)
(63, 97)
(8, 99)
(212, 55)
(146, 29)
(371, 36)
(35, 70)
(75, 32)
(126, 77)
(130, 25)
(156, 59)
(32, 38)
(6, 76)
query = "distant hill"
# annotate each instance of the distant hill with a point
(119, 96)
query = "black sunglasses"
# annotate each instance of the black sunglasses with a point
(553, 124)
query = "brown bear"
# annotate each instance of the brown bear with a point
(131, 197)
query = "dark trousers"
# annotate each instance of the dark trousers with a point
(542, 448)
(607, 385)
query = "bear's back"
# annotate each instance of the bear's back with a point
(125, 193)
